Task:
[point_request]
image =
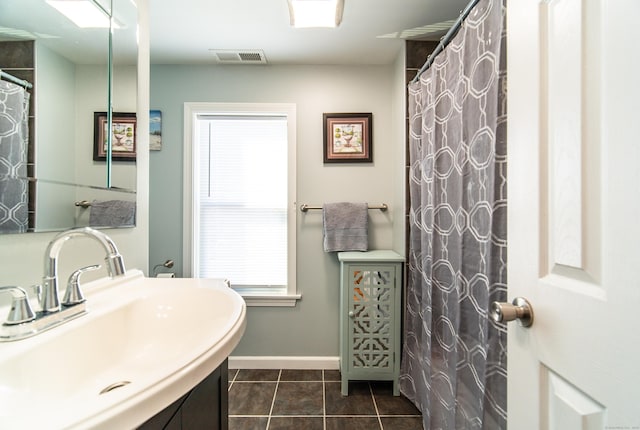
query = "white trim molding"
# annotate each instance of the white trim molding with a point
(286, 362)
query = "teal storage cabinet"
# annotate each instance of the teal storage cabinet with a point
(370, 317)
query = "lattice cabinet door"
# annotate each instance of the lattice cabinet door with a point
(370, 316)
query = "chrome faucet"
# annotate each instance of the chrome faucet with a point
(49, 300)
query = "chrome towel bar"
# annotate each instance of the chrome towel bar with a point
(305, 207)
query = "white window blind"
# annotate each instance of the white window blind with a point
(242, 199)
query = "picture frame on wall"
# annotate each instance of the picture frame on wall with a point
(155, 130)
(123, 126)
(347, 137)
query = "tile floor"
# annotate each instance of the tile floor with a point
(311, 400)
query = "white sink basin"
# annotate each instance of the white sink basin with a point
(157, 338)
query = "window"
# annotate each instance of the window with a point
(240, 198)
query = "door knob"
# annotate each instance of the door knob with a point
(520, 309)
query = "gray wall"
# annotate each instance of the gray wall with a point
(400, 156)
(55, 108)
(311, 327)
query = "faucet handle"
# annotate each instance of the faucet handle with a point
(20, 311)
(73, 294)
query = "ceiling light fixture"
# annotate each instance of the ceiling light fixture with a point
(83, 13)
(315, 13)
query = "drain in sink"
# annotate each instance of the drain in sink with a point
(114, 386)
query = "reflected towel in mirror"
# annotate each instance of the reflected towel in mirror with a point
(112, 213)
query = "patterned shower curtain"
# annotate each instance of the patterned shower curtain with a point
(454, 355)
(14, 126)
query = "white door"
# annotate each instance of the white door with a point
(574, 213)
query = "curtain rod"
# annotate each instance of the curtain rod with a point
(305, 207)
(446, 39)
(15, 80)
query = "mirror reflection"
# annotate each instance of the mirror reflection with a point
(47, 144)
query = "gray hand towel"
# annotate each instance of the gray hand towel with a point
(344, 226)
(112, 213)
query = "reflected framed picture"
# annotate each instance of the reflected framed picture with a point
(123, 136)
(347, 137)
(155, 130)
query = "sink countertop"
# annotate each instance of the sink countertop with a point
(163, 335)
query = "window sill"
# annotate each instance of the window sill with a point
(259, 297)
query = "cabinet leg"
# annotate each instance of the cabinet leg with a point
(396, 387)
(345, 387)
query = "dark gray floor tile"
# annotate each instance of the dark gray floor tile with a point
(353, 423)
(388, 404)
(300, 375)
(358, 402)
(232, 374)
(296, 423)
(298, 398)
(248, 423)
(401, 423)
(258, 375)
(299, 405)
(332, 375)
(251, 398)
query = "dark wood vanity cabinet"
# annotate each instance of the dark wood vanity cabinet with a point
(206, 406)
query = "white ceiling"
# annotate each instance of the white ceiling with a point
(35, 19)
(185, 31)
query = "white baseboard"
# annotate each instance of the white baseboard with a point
(267, 362)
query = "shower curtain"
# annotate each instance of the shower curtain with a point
(454, 356)
(14, 126)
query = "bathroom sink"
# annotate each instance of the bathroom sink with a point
(143, 343)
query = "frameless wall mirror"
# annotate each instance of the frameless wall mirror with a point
(77, 70)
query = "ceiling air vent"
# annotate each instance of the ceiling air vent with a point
(245, 56)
